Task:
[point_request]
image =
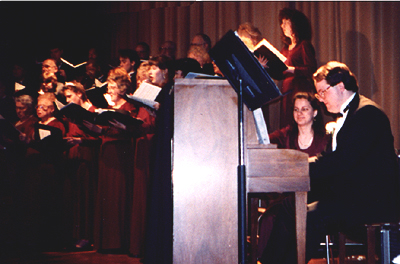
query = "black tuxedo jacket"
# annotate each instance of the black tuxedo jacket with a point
(362, 174)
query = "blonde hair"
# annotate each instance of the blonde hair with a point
(142, 73)
(121, 78)
(49, 97)
(253, 32)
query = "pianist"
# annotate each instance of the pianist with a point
(360, 172)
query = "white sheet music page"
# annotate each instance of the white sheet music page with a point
(146, 94)
(261, 127)
(18, 87)
(44, 133)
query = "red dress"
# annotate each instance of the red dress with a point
(42, 199)
(302, 57)
(115, 185)
(285, 140)
(80, 186)
(141, 183)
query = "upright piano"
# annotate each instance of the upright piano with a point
(205, 160)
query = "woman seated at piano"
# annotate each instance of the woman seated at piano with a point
(306, 133)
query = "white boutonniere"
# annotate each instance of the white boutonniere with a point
(330, 127)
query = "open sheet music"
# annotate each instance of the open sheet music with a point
(276, 60)
(72, 65)
(146, 94)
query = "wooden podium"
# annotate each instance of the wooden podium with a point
(205, 160)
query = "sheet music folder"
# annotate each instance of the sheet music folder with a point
(236, 62)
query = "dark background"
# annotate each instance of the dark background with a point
(29, 29)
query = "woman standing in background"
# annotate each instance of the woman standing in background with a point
(301, 62)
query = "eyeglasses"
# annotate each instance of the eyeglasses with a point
(321, 94)
(43, 107)
(197, 44)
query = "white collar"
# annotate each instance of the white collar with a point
(346, 103)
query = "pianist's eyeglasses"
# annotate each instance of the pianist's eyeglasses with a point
(321, 94)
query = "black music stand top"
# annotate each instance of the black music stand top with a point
(236, 62)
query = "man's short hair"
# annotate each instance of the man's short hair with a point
(131, 55)
(335, 72)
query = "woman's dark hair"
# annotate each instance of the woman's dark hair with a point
(131, 55)
(164, 62)
(187, 65)
(301, 25)
(318, 123)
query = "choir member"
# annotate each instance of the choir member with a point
(158, 241)
(114, 196)
(143, 73)
(301, 62)
(43, 186)
(93, 75)
(24, 105)
(168, 48)
(65, 72)
(74, 92)
(201, 40)
(201, 55)
(82, 166)
(184, 66)
(130, 61)
(23, 83)
(143, 50)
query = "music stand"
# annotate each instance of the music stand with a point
(255, 88)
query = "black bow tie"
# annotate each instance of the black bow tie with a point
(344, 111)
